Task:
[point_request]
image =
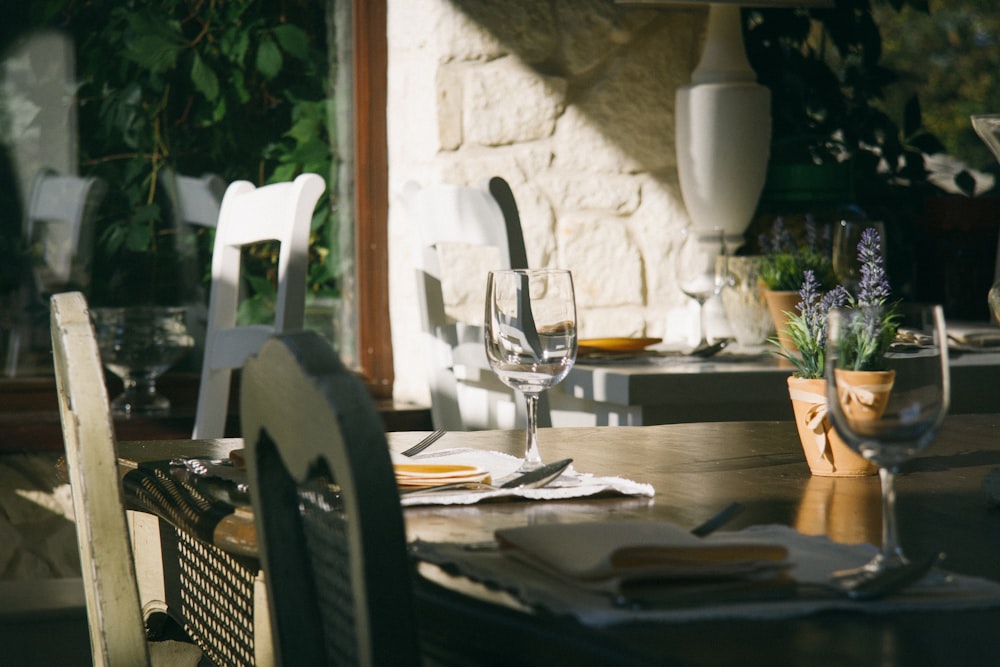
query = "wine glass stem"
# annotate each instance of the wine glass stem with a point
(532, 459)
(702, 325)
(891, 553)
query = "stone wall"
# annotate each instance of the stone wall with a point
(571, 101)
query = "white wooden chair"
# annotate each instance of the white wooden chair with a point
(278, 212)
(329, 525)
(114, 610)
(465, 393)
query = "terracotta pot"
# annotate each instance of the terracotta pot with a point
(779, 303)
(825, 450)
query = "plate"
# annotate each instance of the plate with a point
(586, 345)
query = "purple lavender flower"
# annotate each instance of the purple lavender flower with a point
(874, 286)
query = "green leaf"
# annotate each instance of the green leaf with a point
(204, 79)
(293, 40)
(269, 59)
(139, 237)
(154, 52)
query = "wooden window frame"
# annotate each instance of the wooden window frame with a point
(372, 196)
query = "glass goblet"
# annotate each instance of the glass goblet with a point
(138, 344)
(530, 337)
(702, 271)
(916, 405)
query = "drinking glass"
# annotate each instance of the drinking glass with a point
(702, 271)
(138, 344)
(846, 234)
(530, 337)
(917, 403)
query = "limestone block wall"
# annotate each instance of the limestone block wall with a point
(571, 101)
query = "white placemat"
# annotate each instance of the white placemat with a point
(571, 484)
(814, 559)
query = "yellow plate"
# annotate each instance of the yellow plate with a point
(615, 344)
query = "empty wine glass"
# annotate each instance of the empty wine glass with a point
(916, 405)
(702, 271)
(987, 126)
(138, 344)
(530, 337)
(846, 235)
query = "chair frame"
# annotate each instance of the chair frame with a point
(277, 212)
(304, 414)
(117, 632)
(454, 354)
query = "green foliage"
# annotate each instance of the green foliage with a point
(784, 271)
(825, 66)
(237, 88)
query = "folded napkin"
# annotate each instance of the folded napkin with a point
(973, 336)
(571, 484)
(812, 558)
(419, 475)
(621, 557)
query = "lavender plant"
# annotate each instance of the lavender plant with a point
(786, 260)
(865, 345)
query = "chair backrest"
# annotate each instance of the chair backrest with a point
(117, 633)
(329, 523)
(59, 218)
(198, 200)
(465, 394)
(278, 212)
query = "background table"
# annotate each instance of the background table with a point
(725, 388)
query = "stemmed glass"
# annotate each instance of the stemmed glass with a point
(530, 337)
(917, 404)
(138, 344)
(987, 126)
(702, 271)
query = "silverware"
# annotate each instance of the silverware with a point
(218, 468)
(709, 350)
(888, 581)
(532, 479)
(721, 518)
(424, 444)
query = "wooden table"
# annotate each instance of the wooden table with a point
(696, 469)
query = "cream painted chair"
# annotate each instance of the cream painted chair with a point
(278, 212)
(114, 610)
(450, 221)
(339, 578)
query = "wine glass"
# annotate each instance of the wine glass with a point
(530, 337)
(138, 344)
(702, 271)
(916, 406)
(846, 265)
(987, 126)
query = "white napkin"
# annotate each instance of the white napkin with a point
(571, 484)
(970, 336)
(813, 559)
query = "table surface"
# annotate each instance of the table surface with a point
(697, 469)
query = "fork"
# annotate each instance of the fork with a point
(424, 444)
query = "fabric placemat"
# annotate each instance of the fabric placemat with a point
(814, 558)
(571, 484)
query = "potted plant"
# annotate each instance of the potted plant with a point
(786, 258)
(807, 328)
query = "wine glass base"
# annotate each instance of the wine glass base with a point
(144, 405)
(877, 565)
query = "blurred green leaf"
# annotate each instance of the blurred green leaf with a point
(269, 59)
(204, 79)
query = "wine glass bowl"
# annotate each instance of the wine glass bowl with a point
(907, 418)
(702, 271)
(138, 344)
(530, 337)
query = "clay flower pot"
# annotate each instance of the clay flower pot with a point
(825, 450)
(779, 303)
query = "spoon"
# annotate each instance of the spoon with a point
(533, 479)
(709, 350)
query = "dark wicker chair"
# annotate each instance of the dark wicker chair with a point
(329, 523)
